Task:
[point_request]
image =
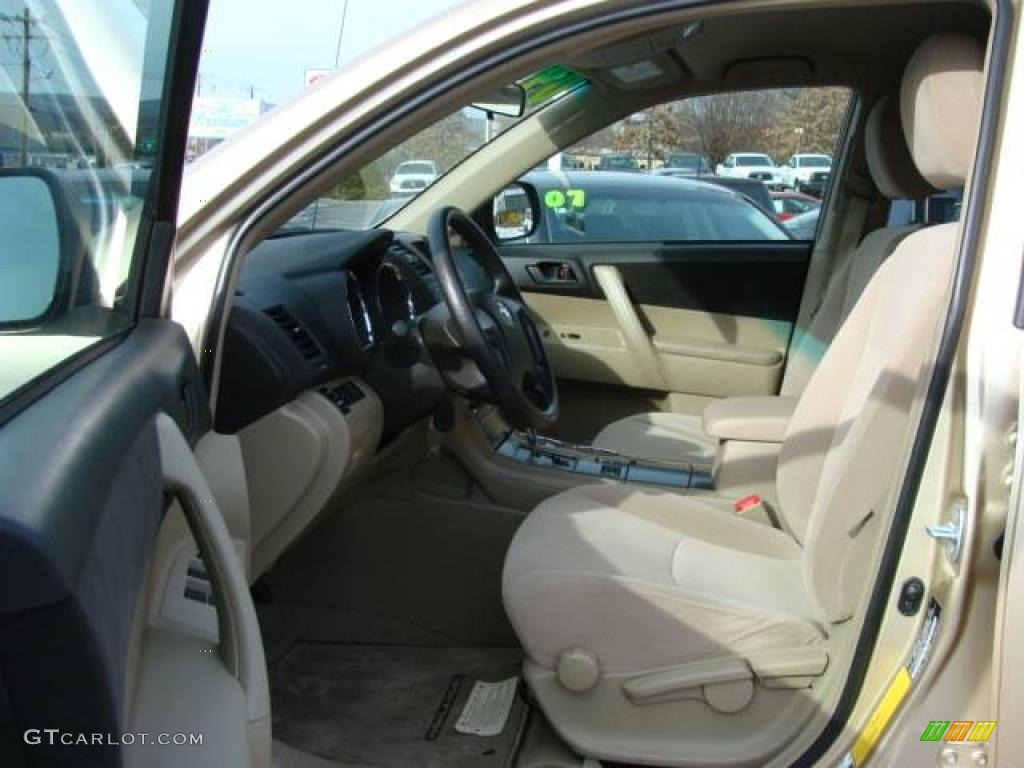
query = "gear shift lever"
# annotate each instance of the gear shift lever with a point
(531, 439)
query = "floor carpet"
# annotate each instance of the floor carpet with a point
(391, 706)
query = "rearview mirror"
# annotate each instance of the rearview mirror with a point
(30, 259)
(509, 101)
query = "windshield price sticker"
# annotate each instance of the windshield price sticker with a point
(570, 198)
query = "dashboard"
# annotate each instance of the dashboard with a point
(314, 309)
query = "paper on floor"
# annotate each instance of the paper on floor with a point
(487, 708)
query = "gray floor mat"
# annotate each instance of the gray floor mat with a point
(372, 706)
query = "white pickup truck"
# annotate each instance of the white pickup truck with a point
(751, 165)
(413, 176)
(799, 170)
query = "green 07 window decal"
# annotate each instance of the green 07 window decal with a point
(570, 198)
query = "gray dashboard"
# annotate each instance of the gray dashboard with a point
(314, 307)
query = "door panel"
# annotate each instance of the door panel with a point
(84, 646)
(97, 436)
(76, 539)
(710, 319)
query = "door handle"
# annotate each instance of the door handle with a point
(552, 273)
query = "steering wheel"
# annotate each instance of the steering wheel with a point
(491, 326)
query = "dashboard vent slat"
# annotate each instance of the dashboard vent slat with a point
(299, 335)
(412, 257)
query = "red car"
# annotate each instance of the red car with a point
(790, 204)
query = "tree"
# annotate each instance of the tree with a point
(778, 122)
(652, 133)
(724, 123)
(808, 120)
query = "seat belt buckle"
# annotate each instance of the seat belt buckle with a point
(748, 504)
(754, 505)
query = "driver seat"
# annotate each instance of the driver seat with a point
(661, 628)
(680, 437)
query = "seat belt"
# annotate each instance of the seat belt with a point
(859, 194)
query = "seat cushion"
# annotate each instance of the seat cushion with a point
(676, 438)
(647, 579)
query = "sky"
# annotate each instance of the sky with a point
(267, 45)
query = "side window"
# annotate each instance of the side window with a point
(80, 136)
(747, 166)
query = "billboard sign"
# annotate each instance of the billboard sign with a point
(219, 117)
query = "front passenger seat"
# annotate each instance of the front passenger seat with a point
(662, 629)
(680, 437)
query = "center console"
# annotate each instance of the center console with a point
(595, 462)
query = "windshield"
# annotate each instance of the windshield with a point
(815, 162)
(424, 168)
(383, 187)
(750, 160)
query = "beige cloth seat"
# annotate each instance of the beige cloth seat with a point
(568, 581)
(680, 437)
(615, 591)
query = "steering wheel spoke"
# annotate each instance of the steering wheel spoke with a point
(493, 325)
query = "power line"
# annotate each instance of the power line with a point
(341, 32)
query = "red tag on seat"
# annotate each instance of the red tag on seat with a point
(747, 503)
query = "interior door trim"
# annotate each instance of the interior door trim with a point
(638, 340)
(240, 641)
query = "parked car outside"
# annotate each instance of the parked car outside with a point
(815, 185)
(751, 165)
(605, 206)
(797, 171)
(413, 176)
(560, 161)
(804, 226)
(686, 164)
(752, 189)
(618, 162)
(790, 204)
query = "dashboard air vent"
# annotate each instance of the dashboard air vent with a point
(411, 256)
(297, 332)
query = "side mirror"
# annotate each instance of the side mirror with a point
(508, 101)
(32, 262)
(515, 214)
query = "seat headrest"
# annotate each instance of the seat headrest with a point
(940, 103)
(889, 161)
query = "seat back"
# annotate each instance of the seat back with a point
(895, 176)
(842, 453)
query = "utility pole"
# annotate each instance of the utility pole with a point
(26, 70)
(24, 37)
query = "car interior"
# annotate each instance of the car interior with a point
(650, 483)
